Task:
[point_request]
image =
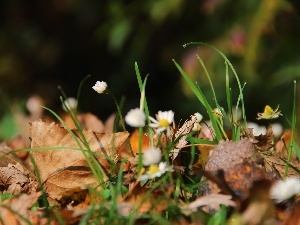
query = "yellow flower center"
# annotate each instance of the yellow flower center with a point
(163, 123)
(153, 169)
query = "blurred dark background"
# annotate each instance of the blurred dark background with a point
(46, 44)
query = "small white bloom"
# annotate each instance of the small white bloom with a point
(156, 171)
(197, 127)
(151, 156)
(71, 104)
(199, 117)
(277, 129)
(285, 189)
(256, 129)
(100, 87)
(163, 122)
(135, 118)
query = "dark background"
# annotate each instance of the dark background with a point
(46, 44)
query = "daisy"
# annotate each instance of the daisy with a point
(151, 156)
(100, 87)
(163, 122)
(70, 103)
(135, 118)
(269, 113)
(285, 189)
(156, 171)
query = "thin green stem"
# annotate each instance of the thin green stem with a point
(118, 109)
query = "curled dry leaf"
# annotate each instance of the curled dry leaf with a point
(13, 180)
(265, 142)
(240, 163)
(185, 129)
(261, 142)
(7, 156)
(228, 153)
(63, 167)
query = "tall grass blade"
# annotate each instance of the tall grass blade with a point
(233, 70)
(199, 94)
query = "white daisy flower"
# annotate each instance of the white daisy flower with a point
(199, 117)
(100, 87)
(156, 171)
(285, 189)
(151, 156)
(71, 104)
(163, 122)
(135, 118)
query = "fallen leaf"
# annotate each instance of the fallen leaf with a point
(182, 132)
(13, 180)
(282, 145)
(265, 142)
(8, 156)
(213, 201)
(274, 163)
(228, 153)
(64, 169)
(13, 209)
(87, 121)
(18, 143)
(262, 142)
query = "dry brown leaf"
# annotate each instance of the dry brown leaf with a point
(7, 156)
(274, 163)
(282, 144)
(65, 169)
(265, 142)
(88, 121)
(19, 205)
(213, 201)
(18, 143)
